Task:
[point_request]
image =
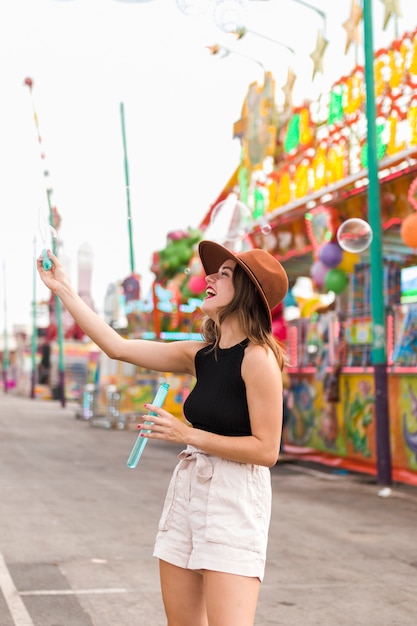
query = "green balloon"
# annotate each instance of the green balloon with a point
(335, 280)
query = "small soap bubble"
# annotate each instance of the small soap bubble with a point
(52, 240)
(354, 235)
(192, 8)
(266, 228)
(231, 220)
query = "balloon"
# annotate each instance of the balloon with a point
(348, 262)
(336, 280)
(318, 273)
(197, 284)
(409, 230)
(330, 254)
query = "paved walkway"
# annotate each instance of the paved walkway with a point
(77, 528)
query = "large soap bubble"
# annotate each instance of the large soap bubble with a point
(354, 235)
(231, 220)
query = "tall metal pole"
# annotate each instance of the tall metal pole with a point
(34, 343)
(58, 313)
(5, 334)
(126, 164)
(379, 356)
(58, 306)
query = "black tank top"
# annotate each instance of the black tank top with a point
(217, 403)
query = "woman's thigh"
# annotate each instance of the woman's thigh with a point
(183, 596)
(230, 599)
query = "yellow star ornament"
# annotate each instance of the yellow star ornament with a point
(317, 55)
(351, 25)
(288, 87)
(392, 7)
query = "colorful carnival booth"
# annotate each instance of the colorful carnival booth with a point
(303, 174)
(302, 178)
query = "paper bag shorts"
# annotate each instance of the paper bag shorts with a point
(216, 515)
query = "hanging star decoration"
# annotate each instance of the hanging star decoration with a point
(216, 49)
(317, 55)
(351, 25)
(239, 32)
(392, 7)
(288, 87)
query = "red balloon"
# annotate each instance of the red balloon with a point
(197, 284)
(409, 230)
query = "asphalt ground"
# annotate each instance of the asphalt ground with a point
(77, 528)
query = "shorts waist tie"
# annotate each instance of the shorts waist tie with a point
(204, 465)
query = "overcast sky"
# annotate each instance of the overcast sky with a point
(85, 57)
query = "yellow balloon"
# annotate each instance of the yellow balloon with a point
(348, 262)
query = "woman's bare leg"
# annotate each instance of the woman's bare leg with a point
(183, 596)
(230, 599)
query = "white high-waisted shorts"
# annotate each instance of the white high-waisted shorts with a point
(216, 515)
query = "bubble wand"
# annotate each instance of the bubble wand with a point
(141, 442)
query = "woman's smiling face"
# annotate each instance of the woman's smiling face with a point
(220, 289)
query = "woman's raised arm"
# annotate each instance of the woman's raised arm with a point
(154, 355)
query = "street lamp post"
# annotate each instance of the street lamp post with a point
(379, 357)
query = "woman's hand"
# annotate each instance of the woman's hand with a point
(53, 277)
(164, 426)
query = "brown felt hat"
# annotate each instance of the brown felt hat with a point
(267, 274)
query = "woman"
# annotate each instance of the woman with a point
(213, 531)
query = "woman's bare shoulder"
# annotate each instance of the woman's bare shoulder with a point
(256, 352)
(258, 358)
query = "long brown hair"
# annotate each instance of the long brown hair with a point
(252, 315)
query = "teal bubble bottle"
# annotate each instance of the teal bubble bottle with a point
(141, 442)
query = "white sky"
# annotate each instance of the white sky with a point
(87, 56)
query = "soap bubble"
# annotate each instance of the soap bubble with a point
(48, 233)
(229, 15)
(354, 235)
(264, 226)
(50, 240)
(231, 220)
(192, 8)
